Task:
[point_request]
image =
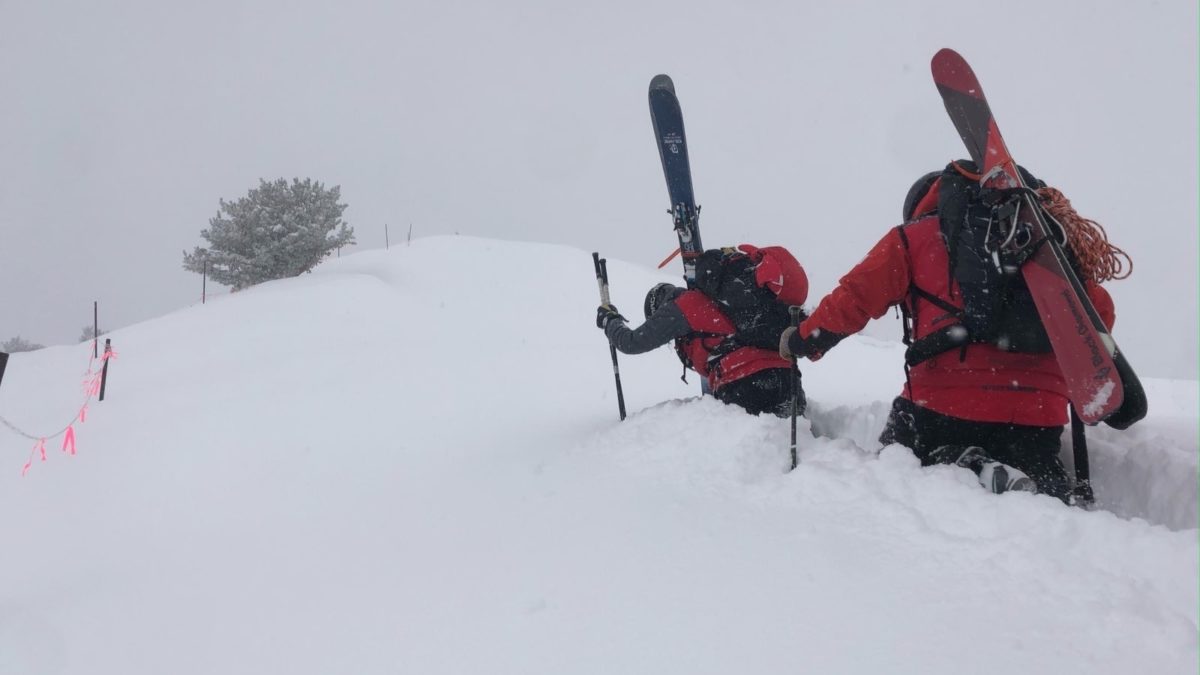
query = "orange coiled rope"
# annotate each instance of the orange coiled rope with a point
(1099, 259)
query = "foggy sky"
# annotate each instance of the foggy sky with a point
(123, 123)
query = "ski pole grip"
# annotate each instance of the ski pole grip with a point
(601, 277)
(604, 281)
(794, 312)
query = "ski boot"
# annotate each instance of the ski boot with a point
(995, 476)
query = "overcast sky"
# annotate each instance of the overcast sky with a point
(123, 123)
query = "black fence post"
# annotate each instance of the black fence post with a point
(104, 368)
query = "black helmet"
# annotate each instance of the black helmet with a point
(1030, 179)
(917, 192)
(658, 296)
(964, 167)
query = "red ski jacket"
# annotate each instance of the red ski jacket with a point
(982, 383)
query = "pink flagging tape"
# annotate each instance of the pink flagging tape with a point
(68, 445)
(40, 446)
(91, 387)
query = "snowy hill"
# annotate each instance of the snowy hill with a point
(410, 462)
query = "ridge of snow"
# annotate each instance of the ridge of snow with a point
(410, 461)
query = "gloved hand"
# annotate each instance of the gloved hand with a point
(813, 347)
(605, 315)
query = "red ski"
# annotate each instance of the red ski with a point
(1101, 384)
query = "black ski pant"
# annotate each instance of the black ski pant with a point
(1031, 449)
(767, 391)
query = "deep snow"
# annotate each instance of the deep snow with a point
(410, 461)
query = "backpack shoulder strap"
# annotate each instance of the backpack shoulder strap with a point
(915, 292)
(907, 309)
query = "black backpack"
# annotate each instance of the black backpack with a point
(727, 276)
(997, 308)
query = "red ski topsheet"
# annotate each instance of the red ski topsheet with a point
(1081, 344)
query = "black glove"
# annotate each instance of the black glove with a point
(812, 347)
(605, 315)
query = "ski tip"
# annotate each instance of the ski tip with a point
(946, 53)
(946, 62)
(662, 82)
(951, 70)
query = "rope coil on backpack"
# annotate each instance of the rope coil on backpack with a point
(1099, 259)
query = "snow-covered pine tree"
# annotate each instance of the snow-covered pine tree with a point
(277, 230)
(19, 344)
(88, 333)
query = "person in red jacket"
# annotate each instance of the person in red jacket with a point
(707, 338)
(995, 402)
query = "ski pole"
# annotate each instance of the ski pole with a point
(602, 281)
(1082, 493)
(794, 311)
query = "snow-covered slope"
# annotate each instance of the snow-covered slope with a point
(410, 462)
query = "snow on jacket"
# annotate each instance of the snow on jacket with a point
(981, 383)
